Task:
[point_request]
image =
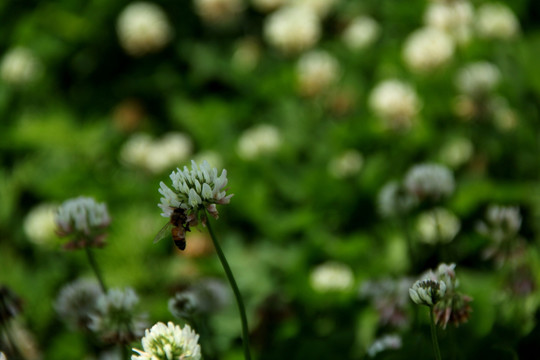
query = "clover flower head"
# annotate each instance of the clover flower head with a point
(386, 342)
(453, 309)
(346, 164)
(19, 66)
(169, 342)
(427, 292)
(84, 219)
(478, 79)
(39, 224)
(428, 49)
(219, 12)
(429, 181)
(361, 32)
(183, 305)
(193, 191)
(332, 277)
(393, 200)
(497, 21)
(316, 71)
(438, 225)
(116, 319)
(76, 302)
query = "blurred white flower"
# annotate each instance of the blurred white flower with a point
(331, 276)
(427, 292)
(76, 302)
(437, 226)
(505, 118)
(292, 28)
(456, 152)
(2, 356)
(393, 200)
(247, 54)
(320, 7)
(116, 318)
(361, 32)
(194, 191)
(156, 155)
(383, 343)
(39, 224)
(502, 223)
(258, 140)
(455, 18)
(168, 342)
(268, 5)
(219, 12)
(427, 49)
(478, 78)
(429, 180)
(346, 164)
(206, 296)
(496, 21)
(316, 70)
(19, 66)
(143, 28)
(395, 102)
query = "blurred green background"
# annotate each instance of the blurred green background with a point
(105, 99)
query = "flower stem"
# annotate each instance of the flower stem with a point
(434, 335)
(238, 296)
(95, 267)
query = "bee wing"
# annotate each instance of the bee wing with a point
(164, 232)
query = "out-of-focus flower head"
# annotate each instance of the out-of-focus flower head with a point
(10, 304)
(39, 225)
(84, 220)
(438, 225)
(478, 79)
(247, 54)
(183, 305)
(396, 103)
(77, 301)
(386, 342)
(496, 21)
(429, 181)
(143, 28)
(454, 18)
(116, 319)
(292, 29)
(456, 152)
(316, 71)
(321, 7)
(219, 12)
(20, 66)
(390, 297)
(167, 342)
(194, 191)
(205, 297)
(331, 276)
(257, 140)
(346, 164)
(428, 49)
(427, 292)
(268, 5)
(360, 33)
(393, 200)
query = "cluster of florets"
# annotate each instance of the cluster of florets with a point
(167, 342)
(76, 302)
(194, 191)
(205, 297)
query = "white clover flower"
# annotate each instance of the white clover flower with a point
(292, 29)
(386, 342)
(143, 28)
(427, 292)
(39, 224)
(496, 21)
(395, 102)
(438, 226)
(258, 140)
(427, 49)
(429, 180)
(2, 356)
(447, 273)
(316, 70)
(361, 32)
(219, 12)
(456, 152)
(207, 296)
(346, 164)
(183, 304)
(116, 319)
(331, 276)
(76, 302)
(393, 200)
(478, 78)
(268, 5)
(321, 7)
(19, 66)
(502, 222)
(169, 342)
(193, 191)
(83, 218)
(454, 18)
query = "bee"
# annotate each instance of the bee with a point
(178, 226)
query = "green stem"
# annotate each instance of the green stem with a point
(434, 335)
(95, 267)
(238, 296)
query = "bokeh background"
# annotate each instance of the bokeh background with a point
(312, 106)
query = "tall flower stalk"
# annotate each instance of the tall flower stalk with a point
(194, 195)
